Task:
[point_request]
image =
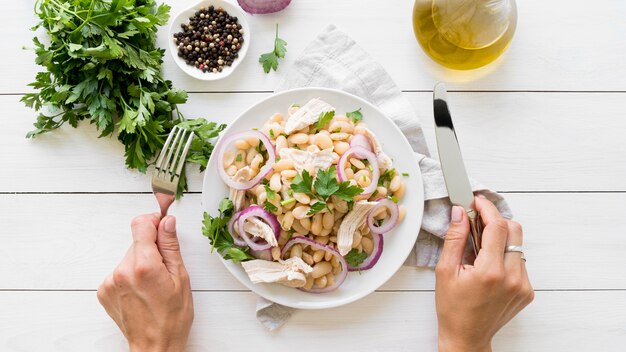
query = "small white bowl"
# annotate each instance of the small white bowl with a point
(183, 17)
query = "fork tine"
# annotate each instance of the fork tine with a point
(165, 164)
(171, 166)
(165, 147)
(183, 155)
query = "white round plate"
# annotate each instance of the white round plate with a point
(398, 243)
(183, 17)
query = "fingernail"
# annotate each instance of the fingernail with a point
(480, 195)
(170, 224)
(457, 214)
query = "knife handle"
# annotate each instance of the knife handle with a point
(476, 230)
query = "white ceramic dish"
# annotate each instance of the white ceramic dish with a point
(183, 17)
(398, 243)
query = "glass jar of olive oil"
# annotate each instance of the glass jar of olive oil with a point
(464, 34)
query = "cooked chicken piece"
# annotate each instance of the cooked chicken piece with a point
(307, 115)
(352, 221)
(291, 272)
(310, 161)
(256, 227)
(236, 196)
(384, 162)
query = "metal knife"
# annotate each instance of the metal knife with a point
(457, 181)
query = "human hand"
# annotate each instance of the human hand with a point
(149, 295)
(475, 301)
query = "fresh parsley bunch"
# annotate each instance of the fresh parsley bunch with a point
(103, 65)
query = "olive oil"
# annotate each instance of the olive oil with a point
(464, 34)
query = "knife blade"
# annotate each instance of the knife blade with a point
(454, 173)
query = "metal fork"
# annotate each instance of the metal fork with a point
(169, 165)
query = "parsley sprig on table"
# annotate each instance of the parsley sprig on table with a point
(326, 185)
(216, 230)
(269, 60)
(102, 65)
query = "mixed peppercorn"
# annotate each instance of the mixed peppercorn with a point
(211, 40)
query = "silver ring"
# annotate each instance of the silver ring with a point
(513, 249)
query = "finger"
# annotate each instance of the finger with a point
(455, 239)
(144, 228)
(513, 262)
(169, 247)
(494, 235)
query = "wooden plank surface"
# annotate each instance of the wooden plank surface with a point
(383, 321)
(77, 240)
(510, 141)
(558, 45)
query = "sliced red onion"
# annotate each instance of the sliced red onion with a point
(265, 170)
(388, 224)
(370, 261)
(361, 153)
(264, 254)
(359, 140)
(259, 212)
(339, 279)
(263, 6)
(235, 235)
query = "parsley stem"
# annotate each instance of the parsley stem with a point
(288, 201)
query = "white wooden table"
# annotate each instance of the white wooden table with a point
(545, 125)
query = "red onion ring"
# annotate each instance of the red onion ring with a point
(370, 261)
(259, 212)
(362, 153)
(263, 6)
(390, 223)
(264, 255)
(265, 170)
(307, 241)
(359, 140)
(231, 228)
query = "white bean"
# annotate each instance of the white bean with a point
(312, 149)
(322, 239)
(307, 258)
(229, 159)
(231, 170)
(339, 136)
(394, 185)
(357, 163)
(299, 228)
(323, 141)
(287, 221)
(283, 164)
(281, 142)
(289, 173)
(318, 256)
(321, 282)
(296, 251)
(275, 183)
(241, 144)
(341, 147)
(306, 223)
(381, 191)
(254, 142)
(310, 281)
(320, 269)
(368, 245)
(302, 198)
(328, 256)
(316, 224)
(275, 253)
(256, 162)
(277, 117)
(298, 138)
(356, 239)
(300, 212)
(401, 191)
(328, 220)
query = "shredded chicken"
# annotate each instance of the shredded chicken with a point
(256, 227)
(310, 161)
(353, 220)
(384, 162)
(236, 196)
(291, 272)
(307, 115)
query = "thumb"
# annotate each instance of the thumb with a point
(455, 240)
(167, 242)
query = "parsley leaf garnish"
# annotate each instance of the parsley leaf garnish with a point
(270, 60)
(270, 207)
(355, 258)
(326, 185)
(355, 115)
(324, 119)
(216, 230)
(270, 192)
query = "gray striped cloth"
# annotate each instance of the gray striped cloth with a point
(334, 60)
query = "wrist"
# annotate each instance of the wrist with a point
(451, 345)
(147, 347)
